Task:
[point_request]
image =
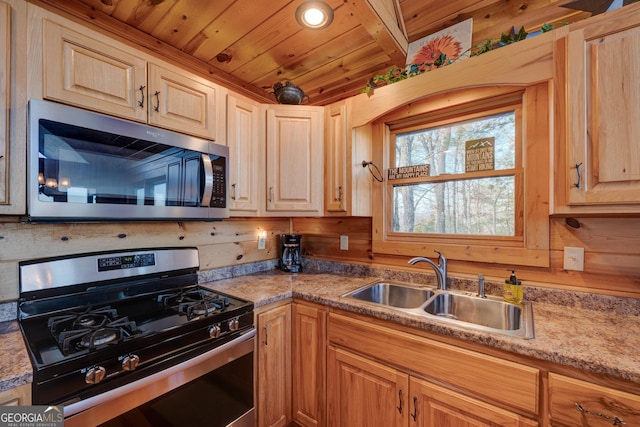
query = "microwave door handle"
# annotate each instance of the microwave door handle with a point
(207, 170)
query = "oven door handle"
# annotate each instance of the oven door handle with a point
(207, 174)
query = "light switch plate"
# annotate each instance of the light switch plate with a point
(262, 240)
(344, 242)
(573, 258)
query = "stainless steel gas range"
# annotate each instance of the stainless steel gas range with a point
(130, 335)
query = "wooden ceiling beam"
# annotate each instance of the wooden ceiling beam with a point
(380, 19)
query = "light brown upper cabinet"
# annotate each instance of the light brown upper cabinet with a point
(336, 189)
(5, 107)
(347, 182)
(245, 138)
(13, 107)
(598, 130)
(294, 160)
(86, 69)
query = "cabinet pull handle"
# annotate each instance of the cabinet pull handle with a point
(266, 335)
(339, 198)
(415, 408)
(616, 421)
(578, 184)
(141, 102)
(270, 194)
(399, 408)
(233, 195)
(157, 107)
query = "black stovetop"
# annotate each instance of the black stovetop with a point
(82, 332)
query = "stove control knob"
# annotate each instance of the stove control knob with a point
(130, 362)
(215, 331)
(95, 374)
(234, 324)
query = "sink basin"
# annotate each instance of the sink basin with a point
(459, 308)
(392, 294)
(491, 313)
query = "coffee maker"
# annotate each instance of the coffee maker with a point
(291, 253)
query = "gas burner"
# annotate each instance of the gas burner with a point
(99, 337)
(194, 302)
(89, 318)
(75, 331)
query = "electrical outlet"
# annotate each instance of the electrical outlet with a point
(573, 258)
(344, 242)
(262, 241)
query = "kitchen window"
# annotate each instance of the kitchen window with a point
(461, 176)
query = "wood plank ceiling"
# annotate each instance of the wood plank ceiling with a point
(248, 45)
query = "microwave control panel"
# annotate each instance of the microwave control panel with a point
(219, 195)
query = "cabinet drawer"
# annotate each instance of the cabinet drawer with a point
(598, 406)
(481, 375)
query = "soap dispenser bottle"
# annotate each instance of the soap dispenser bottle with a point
(512, 289)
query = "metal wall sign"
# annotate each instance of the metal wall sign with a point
(479, 154)
(408, 172)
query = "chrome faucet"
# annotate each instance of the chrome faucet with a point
(440, 268)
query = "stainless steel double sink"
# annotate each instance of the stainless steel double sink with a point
(465, 309)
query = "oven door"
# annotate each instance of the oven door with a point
(214, 389)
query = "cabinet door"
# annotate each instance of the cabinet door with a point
(362, 392)
(434, 406)
(82, 71)
(5, 98)
(336, 189)
(17, 396)
(578, 403)
(182, 102)
(294, 160)
(274, 367)
(603, 106)
(246, 164)
(309, 361)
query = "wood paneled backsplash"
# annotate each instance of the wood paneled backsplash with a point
(224, 243)
(612, 253)
(612, 247)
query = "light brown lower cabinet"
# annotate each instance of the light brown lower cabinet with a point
(574, 402)
(320, 368)
(17, 396)
(431, 405)
(363, 392)
(379, 376)
(274, 367)
(308, 364)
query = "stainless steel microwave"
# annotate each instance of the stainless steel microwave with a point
(87, 166)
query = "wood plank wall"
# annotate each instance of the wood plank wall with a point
(226, 243)
(612, 253)
(612, 247)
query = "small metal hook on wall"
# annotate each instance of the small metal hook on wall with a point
(377, 175)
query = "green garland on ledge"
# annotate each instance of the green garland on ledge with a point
(395, 74)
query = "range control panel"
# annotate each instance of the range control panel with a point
(126, 261)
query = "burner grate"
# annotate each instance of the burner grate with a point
(89, 329)
(195, 302)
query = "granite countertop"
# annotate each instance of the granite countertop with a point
(568, 328)
(15, 370)
(603, 342)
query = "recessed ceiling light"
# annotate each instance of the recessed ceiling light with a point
(314, 15)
